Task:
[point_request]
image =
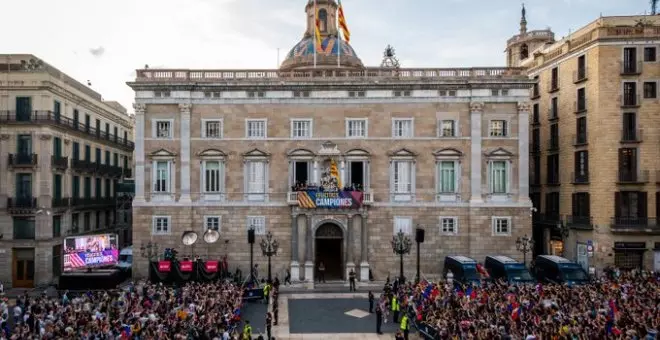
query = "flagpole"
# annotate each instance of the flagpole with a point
(314, 35)
(338, 37)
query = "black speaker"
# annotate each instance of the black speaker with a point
(419, 235)
(250, 236)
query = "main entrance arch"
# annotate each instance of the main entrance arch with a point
(328, 248)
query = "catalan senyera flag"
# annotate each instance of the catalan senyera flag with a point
(342, 23)
(317, 30)
(334, 172)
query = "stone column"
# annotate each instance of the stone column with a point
(476, 111)
(315, 173)
(364, 249)
(4, 175)
(309, 257)
(350, 236)
(295, 265)
(342, 173)
(185, 153)
(139, 152)
(523, 150)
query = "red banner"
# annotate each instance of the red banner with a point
(211, 266)
(164, 266)
(186, 266)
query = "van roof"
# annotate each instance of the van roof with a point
(555, 258)
(462, 259)
(503, 259)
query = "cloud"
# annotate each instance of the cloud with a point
(97, 52)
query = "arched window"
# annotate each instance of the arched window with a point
(524, 52)
(323, 19)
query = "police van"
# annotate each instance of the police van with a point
(504, 267)
(463, 268)
(556, 269)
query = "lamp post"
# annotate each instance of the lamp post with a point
(524, 245)
(269, 248)
(401, 245)
(419, 238)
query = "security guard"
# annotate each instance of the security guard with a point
(266, 292)
(395, 309)
(405, 326)
(247, 331)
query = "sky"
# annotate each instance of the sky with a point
(104, 41)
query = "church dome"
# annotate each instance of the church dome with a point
(301, 55)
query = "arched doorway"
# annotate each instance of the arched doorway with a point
(329, 249)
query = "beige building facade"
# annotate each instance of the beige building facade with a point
(63, 149)
(333, 160)
(594, 142)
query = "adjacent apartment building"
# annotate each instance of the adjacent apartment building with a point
(63, 150)
(595, 140)
(333, 158)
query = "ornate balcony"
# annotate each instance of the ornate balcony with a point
(59, 163)
(128, 173)
(22, 160)
(61, 202)
(83, 166)
(50, 118)
(80, 203)
(21, 205)
(632, 177)
(634, 224)
(631, 68)
(579, 222)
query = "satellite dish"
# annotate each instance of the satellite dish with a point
(189, 238)
(211, 236)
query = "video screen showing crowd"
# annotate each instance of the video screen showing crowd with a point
(93, 251)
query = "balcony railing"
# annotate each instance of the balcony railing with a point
(292, 198)
(553, 86)
(21, 205)
(94, 202)
(580, 105)
(580, 75)
(631, 68)
(632, 177)
(630, 100)
(83, 166)
(109, 170)
(49, 117)
(631, 135)
(61, 202)
(628, 222)
(22, 160)
(549, 218)
(579, 221)
(580, 178)
(60, 163)
(580, 139)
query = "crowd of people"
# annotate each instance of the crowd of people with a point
(150, 311)
(622, 306)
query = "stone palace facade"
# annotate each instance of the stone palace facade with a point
(333, 160)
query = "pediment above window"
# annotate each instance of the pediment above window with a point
(212, 154)
(402, 153)
(256, 153)
(499, 153)
(448, 153)
(162, 153)
(357, 153)
(301, 153)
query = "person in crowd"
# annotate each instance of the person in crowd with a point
(269, 325)
(395, 309)
(622, 305)
(194, 310)
(371, 302)
(379, 319)
(266, 291)
(351, 280)
(287, 278)
(247, 331)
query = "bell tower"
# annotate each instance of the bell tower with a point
(327, 16)
(522, 45)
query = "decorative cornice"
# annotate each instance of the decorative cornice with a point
(66, 141)
(185, 108)
(45, 137)
(4, 137)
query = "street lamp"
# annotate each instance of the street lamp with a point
(401, 245)
(524, 245)
(251, 242)
(419, 238)
(269, 248)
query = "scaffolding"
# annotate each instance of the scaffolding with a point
(123, 226)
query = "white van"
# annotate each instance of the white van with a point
(125, 259)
